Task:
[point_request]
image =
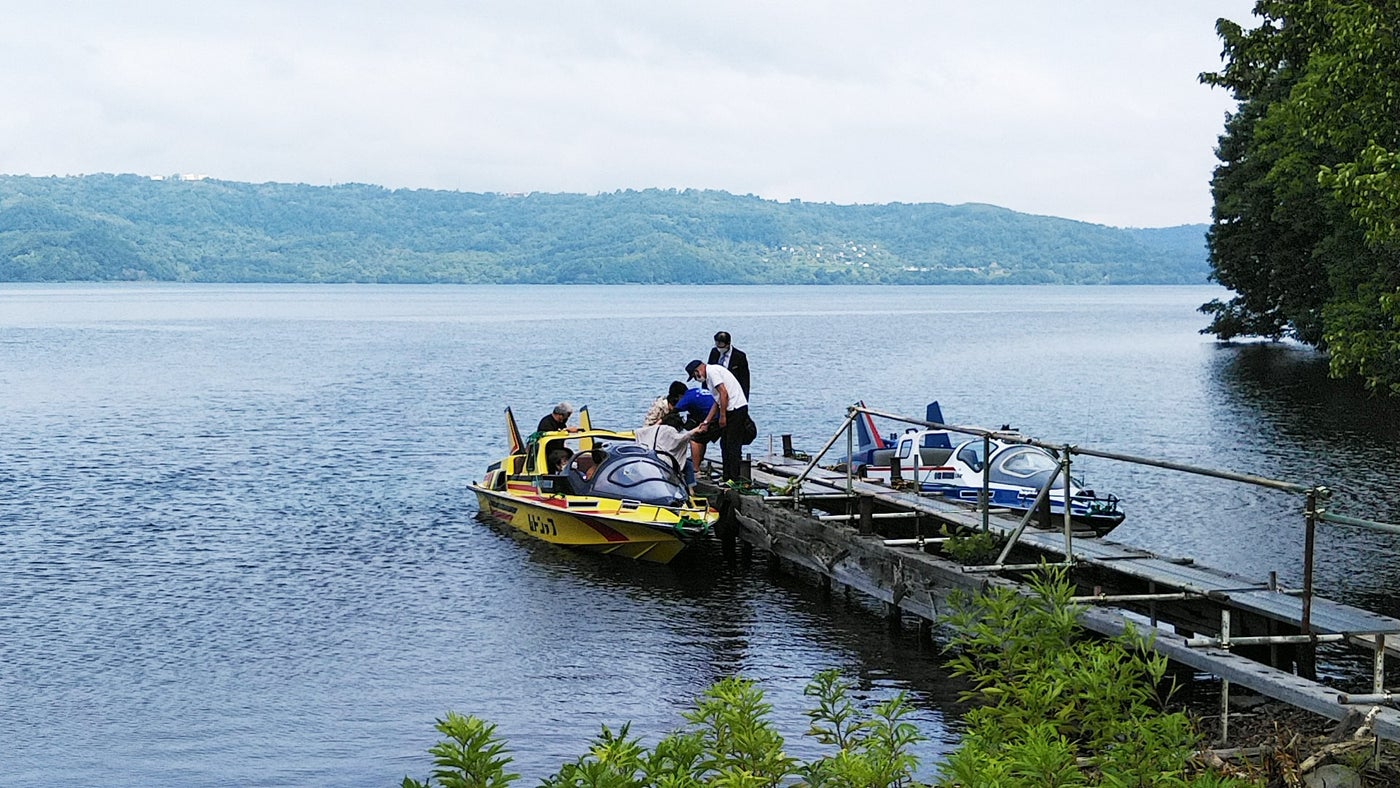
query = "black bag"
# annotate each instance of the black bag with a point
(750, 429)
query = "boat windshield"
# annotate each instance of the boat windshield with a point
(1028, 461)
(971, 455)
(635, 473)
(639, 476)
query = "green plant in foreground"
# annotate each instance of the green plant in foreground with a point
(873, 748)
(1055, 709)
(971, 547)
(729, 741)
(470, 757)
(1050, 697)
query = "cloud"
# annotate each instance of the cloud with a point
(1088, 110)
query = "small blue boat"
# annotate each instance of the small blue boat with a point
(1014, 473)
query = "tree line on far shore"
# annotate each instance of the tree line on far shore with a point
(129, 227)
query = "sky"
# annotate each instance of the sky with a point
(1089, 110)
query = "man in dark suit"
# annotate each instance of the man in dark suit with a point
(731, 358)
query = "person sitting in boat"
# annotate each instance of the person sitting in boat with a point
(584, 467)
(557, 456)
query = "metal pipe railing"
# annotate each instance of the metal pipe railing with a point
(1108, 455)
(1314, 509)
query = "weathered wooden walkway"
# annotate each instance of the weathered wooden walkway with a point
(882, 542)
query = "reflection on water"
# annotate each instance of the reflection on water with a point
(239, 548)
(1309, 428)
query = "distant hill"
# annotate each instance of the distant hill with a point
(129, 227)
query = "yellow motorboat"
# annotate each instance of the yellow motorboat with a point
(595, 490)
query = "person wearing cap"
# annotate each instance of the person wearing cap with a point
(730, 412)
(731, 358)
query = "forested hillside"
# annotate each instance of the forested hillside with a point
(128, 227)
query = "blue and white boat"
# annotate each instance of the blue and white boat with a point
(1013, 472)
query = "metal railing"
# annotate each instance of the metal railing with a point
(1314, 510)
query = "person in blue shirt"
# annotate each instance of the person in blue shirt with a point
(696, 405)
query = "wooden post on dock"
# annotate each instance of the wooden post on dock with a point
(787, 445)
(867, 513)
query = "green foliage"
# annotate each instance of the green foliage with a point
(741, 745)
(873, 749)
(1049, 697)
(971, 548)
(470, 757)
(1307, 195)
(729, 742)
(1055, 709)
(125, 227)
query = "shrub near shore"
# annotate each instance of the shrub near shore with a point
(1052, 709)
(1058, 709)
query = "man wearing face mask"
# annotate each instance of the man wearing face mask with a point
(730, 412)
(731, 358)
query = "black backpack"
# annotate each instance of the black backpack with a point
(750, 429)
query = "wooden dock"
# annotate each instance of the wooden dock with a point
(882, 542)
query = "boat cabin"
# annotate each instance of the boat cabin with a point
(599, 463)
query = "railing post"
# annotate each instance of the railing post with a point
(867, 513)
(1224, 682)
(986, 494)
(850, 453)
(801, 477)
(1043, 497)
(1378, 675)
(1307, 652)
(1069, 526)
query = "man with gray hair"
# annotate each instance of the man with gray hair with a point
(556, 454)
(557, 419)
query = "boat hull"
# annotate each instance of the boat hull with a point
(1088, 513)
(640, 532)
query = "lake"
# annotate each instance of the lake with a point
(238, 548)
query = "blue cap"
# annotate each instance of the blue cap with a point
(691, 367)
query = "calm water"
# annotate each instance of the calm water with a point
(236, 547)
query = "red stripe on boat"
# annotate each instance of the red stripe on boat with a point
(606, 531)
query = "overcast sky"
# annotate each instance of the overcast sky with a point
(1089, 109)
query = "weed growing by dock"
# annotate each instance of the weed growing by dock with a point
(1053, 708)
(729, 741)
(1058, 709)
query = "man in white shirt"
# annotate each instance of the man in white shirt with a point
(730, 411)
